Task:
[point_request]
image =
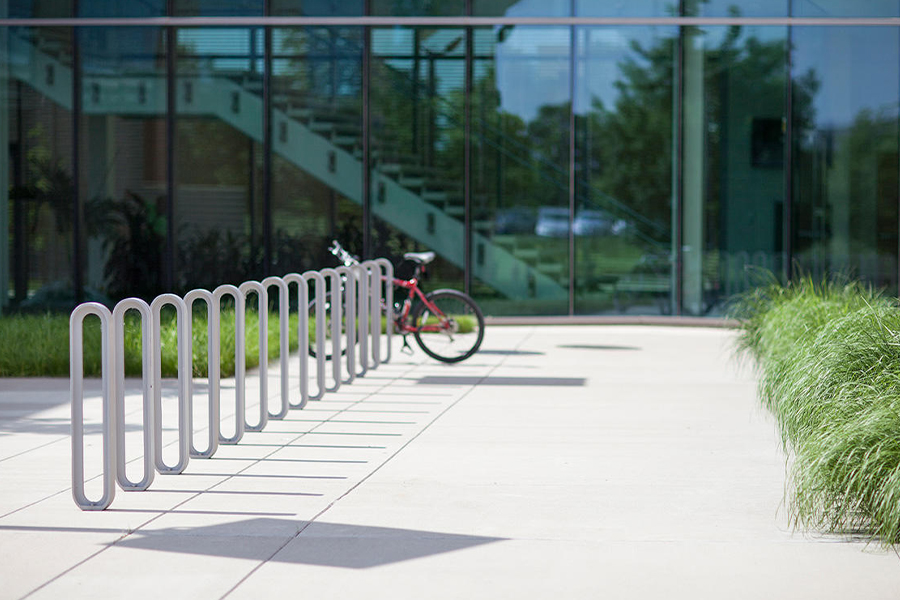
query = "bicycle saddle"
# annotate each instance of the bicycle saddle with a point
(423, 258)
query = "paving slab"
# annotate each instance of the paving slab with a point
(569, 461)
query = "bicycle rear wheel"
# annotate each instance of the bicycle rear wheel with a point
(451, 333)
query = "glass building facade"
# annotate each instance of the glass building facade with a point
(562, 157)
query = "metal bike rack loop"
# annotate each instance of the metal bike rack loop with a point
(335, 309)
(302, 335)
(118, 316)
(320, 329)
(212, 369)
(388, 281)
(284, 337)
(76, 394)
(362, 306)
(184, 376)
(263, 322)
(240, 363)
(374, 272)
(348, 276)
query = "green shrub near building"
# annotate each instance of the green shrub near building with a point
(828, 356)
(38, 345)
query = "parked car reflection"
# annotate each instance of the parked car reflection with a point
(598, 222)
(552, 222)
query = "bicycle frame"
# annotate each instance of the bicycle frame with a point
(412, 285)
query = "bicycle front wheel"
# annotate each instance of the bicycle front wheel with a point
(449, 326)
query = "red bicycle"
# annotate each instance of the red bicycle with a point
(447, 324)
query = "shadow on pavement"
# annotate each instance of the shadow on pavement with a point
(596, 347)
(462, 380)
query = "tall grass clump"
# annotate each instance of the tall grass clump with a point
(828, 356)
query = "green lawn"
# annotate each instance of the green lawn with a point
(38, 345)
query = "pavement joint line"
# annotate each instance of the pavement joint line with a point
(210, 489)
(379, 467)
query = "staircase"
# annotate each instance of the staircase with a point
(318, 140)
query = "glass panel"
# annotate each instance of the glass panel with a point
(741, 8)
(418, 8)
(218, 156)
(626, 8)
(522, 8)
(40, 9)
(417, 116)
(624, 106)
(520, 170)
(734, 99)
(845, 151)
(317, 8)
(36, 207)
(218, 8)
(110, 9)
(122, 158)
(317, 138)
(844, 8)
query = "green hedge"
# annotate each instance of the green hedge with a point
(38, 345)
(828, 356)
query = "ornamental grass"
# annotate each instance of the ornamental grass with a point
(828, 356)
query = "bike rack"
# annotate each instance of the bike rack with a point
(284, 335)
(184, 377)
(263, 325)
(348, 276)
(356, 295)
(118, 317)
(212, 369)
(76, 393)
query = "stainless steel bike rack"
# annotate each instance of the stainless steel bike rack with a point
(362, 288)
(118, 316)
(388, 304)
(356, 301)
(184, 377)
(240, 363)
(348, 275)
(335, 310)
(76, 394)
(284, 337)
(302, 334)
(263, 325)
(320, 328)
(212, 369)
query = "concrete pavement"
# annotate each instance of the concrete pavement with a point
(561, 461)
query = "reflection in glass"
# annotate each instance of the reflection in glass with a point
(843, 8)
(36, 175)
(520, 161)
(317, 141)
(624, 99)
(418, 8)
(738, 8)
(122, 160)
(316, 8)
(217, 8)
(218, 157)
(627, 8)
(522, 8)
(845, 152)
(417, 137)
(734, 172)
